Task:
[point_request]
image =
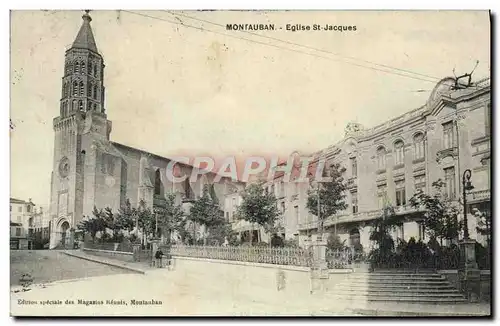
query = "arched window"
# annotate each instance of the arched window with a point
(77, 67)
(73, 107)
(89, 90)
(95, 92)
(381, 153)
(80, 105)
(418, 145)
(82, 89)
(90, 68)
(399, 152)
(157, 182)
(83, 67)
(75, 88)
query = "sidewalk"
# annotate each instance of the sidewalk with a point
(138, 267)
(422, 310)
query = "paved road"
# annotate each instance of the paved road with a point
(50, 265)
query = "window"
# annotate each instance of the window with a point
(282, 188)
(89, 106)
(381, 158)
(75, 88)
(399, 151)
(11, 208)
(354, 201)
(272, 190)
(157, 182)
(95, 92)
(80, 105)
(283, 207)
(28, 208)
(354, 167)
(419, 182)
(227, 216)
(20, 209)
(73, 107)
(449, 178)
(448, 136)
(83, 67)
(95, 107)
(234, 205)
(418, 145)
(296, 209)
(421, 231)
(89, 90)
(382, 196)
(95, 70)
(77, 67)
(18, 232)
(90, 68)
(400, 193)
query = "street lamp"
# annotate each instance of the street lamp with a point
(466, 185)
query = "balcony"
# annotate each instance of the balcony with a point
(360, 216)
(479, 195)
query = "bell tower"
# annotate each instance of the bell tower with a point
(82, 122)
(82, 83)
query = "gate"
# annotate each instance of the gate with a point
(62, 240)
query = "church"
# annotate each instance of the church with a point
(90, 170)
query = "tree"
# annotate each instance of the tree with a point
(258, 206)
(440, 213)
(171, 217)
(380, 234)
(94, 224)
(145, 219)
(113, 223)
(205, 211)
(126, 216)
(331, 194)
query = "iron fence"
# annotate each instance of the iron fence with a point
(268, 255)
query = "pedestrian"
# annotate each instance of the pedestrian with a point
(158, 256)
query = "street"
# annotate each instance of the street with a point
(49, 265)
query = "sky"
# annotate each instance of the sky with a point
(174, 90)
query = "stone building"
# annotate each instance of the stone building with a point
(89, 169)
(386, 164)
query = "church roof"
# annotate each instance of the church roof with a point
(85, 38)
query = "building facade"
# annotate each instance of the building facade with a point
(22, 222)
(90, 170)
(387, 164)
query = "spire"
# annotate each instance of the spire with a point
(85, 37)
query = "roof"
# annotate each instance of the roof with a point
(18, 201)
(85, 38)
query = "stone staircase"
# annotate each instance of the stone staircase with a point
(401, 286)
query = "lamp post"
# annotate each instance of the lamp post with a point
(466, 185)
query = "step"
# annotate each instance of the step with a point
(429, 275)
(397, 290)
(401, 294)
(402, 299)
(404, 271)
(388, 279)
(402, 282)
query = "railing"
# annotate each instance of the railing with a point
(341, 259)
(480, 195)
(124, 247)
(278, 256)
(359, 216)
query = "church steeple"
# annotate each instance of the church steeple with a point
(85, 38)
(82, 86)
